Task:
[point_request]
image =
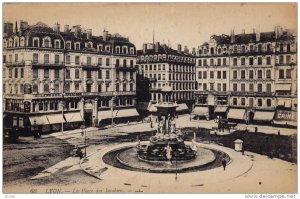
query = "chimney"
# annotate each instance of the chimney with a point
(186, 50)
(232, 36)
(66, 28)
(8, 28)
(77, 31)
(144, 48)
(194, 51)
(156, 46)
(16, 27)
(105, 35)
(257, 35)
(89, 33)
(56, 27)
(179, 48)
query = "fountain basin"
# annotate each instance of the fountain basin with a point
(127, 158)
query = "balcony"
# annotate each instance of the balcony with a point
(21, 63)
(253, 94)
(74, 94)
(48, 64)
(125, 93)
(86, 65)
(12, 96)
(47, 95)
(126, 68)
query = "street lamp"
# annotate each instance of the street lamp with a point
(83, 133)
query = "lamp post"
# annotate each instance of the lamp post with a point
(83, 133)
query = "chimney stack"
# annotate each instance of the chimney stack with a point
(56, 27)
(66, 28)
(186, 50)
(194, 51)
(144, 48)
(257, 35)
(232, 36)
(179, 48)
(77, 31)
(89, 33)
(8, 28)
(105, 35)
(156, 46)
(16, 27)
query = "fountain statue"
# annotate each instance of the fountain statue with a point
(167, 143)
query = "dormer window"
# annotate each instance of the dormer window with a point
(132, 51)
(22, 42)
(46, 43)
(118, 49)
(124, 50)
(36, 42)
(68, 45)
(107, 48)
(16, 43)
(77, 46)
(100, 47)
(57, 44)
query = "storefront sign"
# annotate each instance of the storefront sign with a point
(286, 115)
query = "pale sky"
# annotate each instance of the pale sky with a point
(189, 24)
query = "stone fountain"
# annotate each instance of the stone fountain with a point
(167, 143)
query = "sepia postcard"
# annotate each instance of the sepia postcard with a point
(149, 98)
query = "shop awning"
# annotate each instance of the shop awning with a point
(38, 120)
(152, 108)
(283, 87)
(264, 116)
(126, 113)
(73, 117)
(200, 111)
(285, 115)
(221, 109)
(131, 112)
(55, 118)
(182, 107)
(236, 114)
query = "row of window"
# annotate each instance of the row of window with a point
(175, 86)
(260, 74)
(204, 87)
(16, 72)
(267, 47)
(251, 102)
(251, 88)
(220, 74)
(170, 57)
(76, 75)
(173, 97)
(171, 76)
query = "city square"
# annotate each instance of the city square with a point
(95, 106)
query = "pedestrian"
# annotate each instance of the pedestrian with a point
(224, 162)
(215, 131)
(151, 125)
(255, 129)
(278, 132)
